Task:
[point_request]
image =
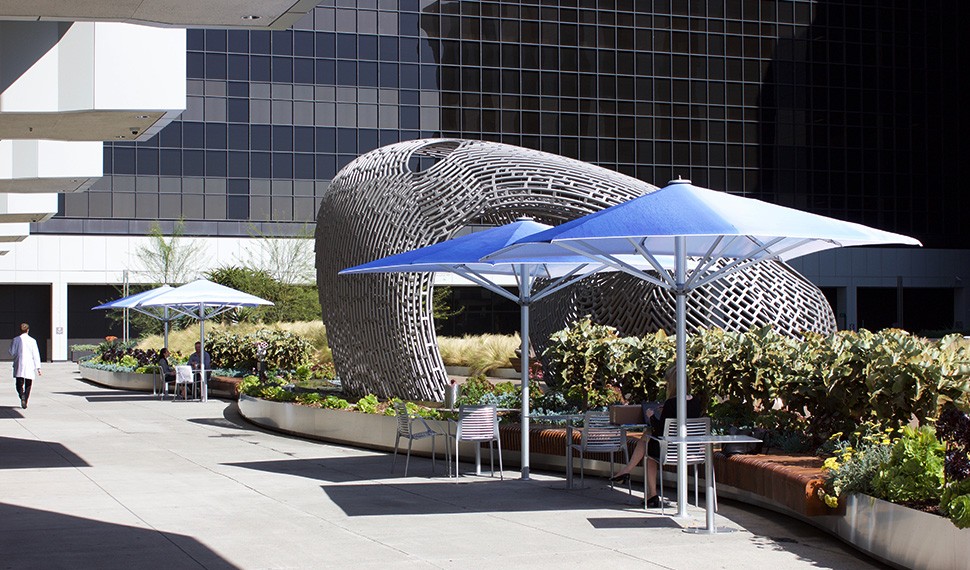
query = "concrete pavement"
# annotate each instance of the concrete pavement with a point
(97, 478)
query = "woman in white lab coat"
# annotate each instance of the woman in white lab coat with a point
(26, 362)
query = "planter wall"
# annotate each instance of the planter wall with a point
(901, 536)
(120, 380)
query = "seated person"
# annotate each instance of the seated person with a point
(650, 446)
(164, 367)
(200, 358)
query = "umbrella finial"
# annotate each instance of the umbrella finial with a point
(679, 180)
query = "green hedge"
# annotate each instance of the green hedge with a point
(833, 382)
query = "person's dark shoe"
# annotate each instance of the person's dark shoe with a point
(653, 502)
(622, 479)
(23, 402)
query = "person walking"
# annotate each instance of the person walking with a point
(26, 362)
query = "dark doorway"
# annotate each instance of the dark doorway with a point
(483, 312)
(29, 304)
(925, 310)
(85, 326)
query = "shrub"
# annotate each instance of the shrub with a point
(284, 350)
(586, 360)
(953, 428)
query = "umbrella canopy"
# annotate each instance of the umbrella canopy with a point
(709, 234)
(462, 256)
(202, 299)
(132, 302)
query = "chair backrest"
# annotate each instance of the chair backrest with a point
(165, 367)
(403, 419)
(600, 435)
(477, 423)
(696, 452)
(183, 374)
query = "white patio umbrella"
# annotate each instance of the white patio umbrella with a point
(132, 302)
(462, 256)
(700, 227)
(202, 299)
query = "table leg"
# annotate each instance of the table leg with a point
(478, 458)
(709, 486)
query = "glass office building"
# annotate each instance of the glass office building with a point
(848, 109)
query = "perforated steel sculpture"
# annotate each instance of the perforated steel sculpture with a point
(391, 200)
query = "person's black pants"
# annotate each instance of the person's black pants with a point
(23, 388)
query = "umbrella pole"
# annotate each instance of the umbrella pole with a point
(680, 262)
(165, 328)
(202, 381)
(525, 294)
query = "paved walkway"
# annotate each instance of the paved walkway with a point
(96, 478)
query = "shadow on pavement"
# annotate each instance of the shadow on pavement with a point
(34, 454)
(653, 521)
(32, 538)
(446, 497)
(10, 413)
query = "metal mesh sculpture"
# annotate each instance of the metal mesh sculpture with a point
(390, 200)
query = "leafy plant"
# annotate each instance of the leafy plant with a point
(368, 404)
(585, 360)
(914, 470)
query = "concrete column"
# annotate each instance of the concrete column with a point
(59, 320)
(851, 316)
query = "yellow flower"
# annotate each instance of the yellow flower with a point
(831, 463)
(832, 502)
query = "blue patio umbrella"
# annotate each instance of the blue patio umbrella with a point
(709, 234)
(132, 302)
(462, 256)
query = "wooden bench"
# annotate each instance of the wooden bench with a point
(224, 387)
(785, 482)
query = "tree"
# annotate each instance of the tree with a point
(291, 302)
(171, 260)
(287, 259)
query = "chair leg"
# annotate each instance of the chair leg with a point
(407, 461)
(501, 469)
(660, 477)
(491, 458)
(457, 466)
(397, 440)
(697, 499)
(432, 453)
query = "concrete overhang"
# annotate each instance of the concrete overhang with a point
(251, 14)
(95, 125)
(12, 233)
(26, 208)
(89, 81)
(42, 166)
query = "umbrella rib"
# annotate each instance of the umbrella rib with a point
(654, 262)
(739, 263)
(565, 281)
(701, 269)
(611, 261)
(480, 280)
